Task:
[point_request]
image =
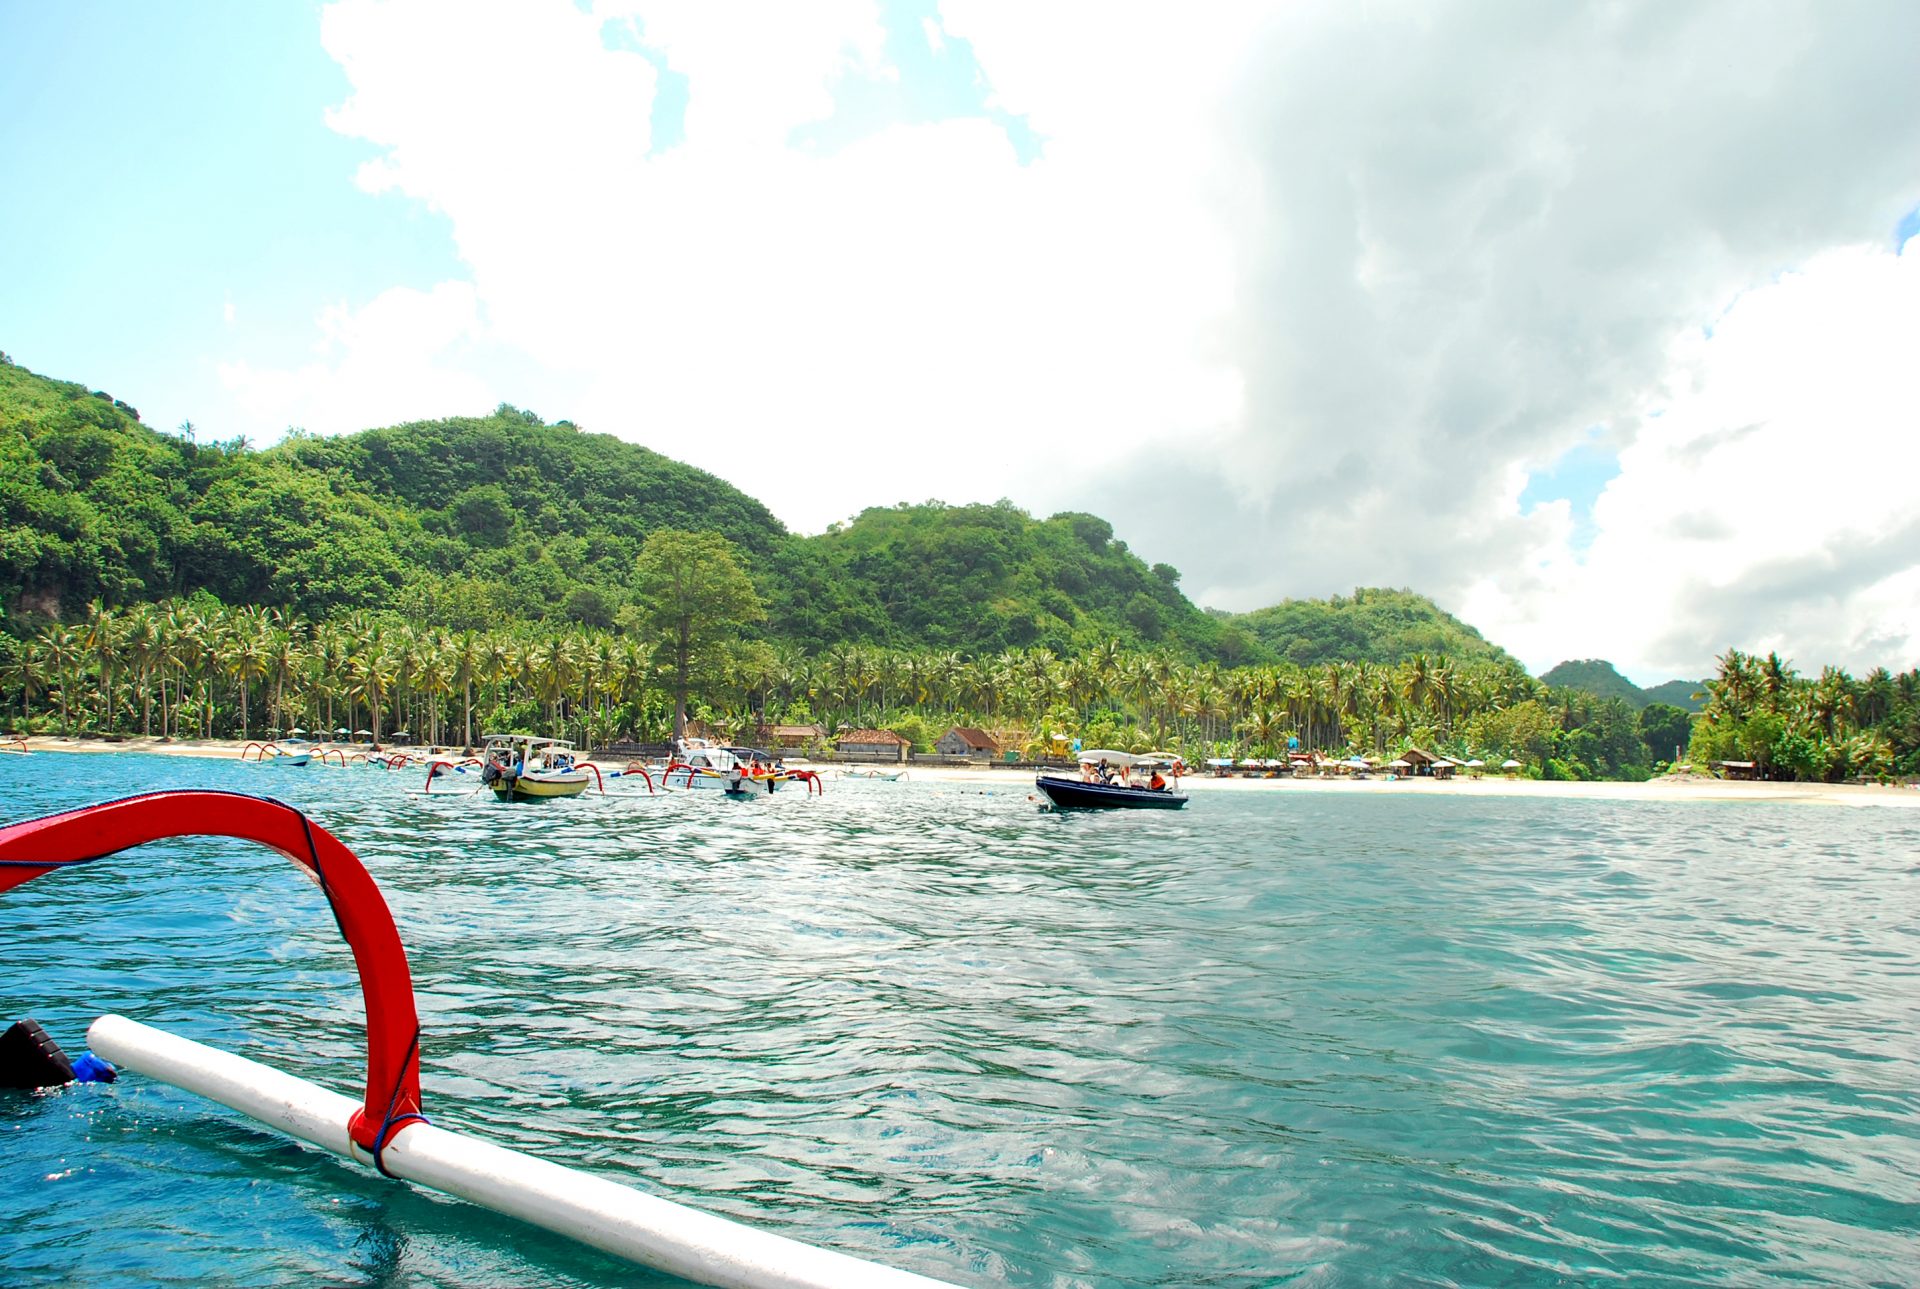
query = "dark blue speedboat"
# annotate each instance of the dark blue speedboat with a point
(1076, 794)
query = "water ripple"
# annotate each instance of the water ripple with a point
(1341, 1041)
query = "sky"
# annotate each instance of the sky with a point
(1590, 321)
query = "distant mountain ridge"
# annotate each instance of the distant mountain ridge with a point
(1599, 677)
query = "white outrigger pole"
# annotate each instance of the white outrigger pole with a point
(387, 1129)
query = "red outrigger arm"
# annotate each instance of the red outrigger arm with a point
(39, 846)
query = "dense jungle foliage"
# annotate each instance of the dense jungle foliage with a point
(451, 575)
(1822, 729)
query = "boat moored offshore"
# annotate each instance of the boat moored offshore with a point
(523, 767)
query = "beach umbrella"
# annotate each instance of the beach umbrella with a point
(1510, 764)
(363, 733)
(295, 732)
(1475, 764)
(1400, 764)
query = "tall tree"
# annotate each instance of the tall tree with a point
(694, 599)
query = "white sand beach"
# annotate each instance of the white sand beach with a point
(1670, 788)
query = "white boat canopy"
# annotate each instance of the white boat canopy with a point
(1094, 756)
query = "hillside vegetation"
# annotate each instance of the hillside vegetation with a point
(1371, 625)
(500, 572)
(1598, 677)
(473, 522)
(986, 578)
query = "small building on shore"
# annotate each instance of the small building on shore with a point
(873, 745)
(789, 736)
(963, 741)
(1419, 760)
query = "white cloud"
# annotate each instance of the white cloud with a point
(400, 358)
(917, 313)
(1297, 295)
(1770, 503)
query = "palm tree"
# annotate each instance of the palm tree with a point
(31, 670)
(100, 636)
(64, 651)
(433, 674)
(144, 651)
(245, 658)
(467, 659)
(284, 663)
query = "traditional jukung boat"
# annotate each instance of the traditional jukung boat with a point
(1095, 791)
(387, 1127)
(737, 771)
(295, 752)
(521, 767)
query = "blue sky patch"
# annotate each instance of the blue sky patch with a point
(1904, 231)
(939, 80)
(667, 126)
(1577, 478)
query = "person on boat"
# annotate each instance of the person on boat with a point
(1158, 782)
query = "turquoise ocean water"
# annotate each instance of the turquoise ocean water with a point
(1286, 1038)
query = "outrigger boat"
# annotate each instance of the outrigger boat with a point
(386, 1127)
(295, 752)
(737, 771)
(1093, 792)
(521, 767)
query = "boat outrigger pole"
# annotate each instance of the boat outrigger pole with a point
(386, 1127)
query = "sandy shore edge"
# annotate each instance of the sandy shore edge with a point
(1667, 789)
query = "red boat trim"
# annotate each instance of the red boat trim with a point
(37, 846)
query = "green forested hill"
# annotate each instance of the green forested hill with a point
(1687, 695)
(463, 522)
(980, 579)
(1597, 676)
(473, 522)
(1371, 625)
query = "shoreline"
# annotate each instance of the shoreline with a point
(1669, 789)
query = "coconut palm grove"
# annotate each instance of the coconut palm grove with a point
(440, 578)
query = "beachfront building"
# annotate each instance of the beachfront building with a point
(789, 736)
(1419, 760)
(962, 741)
(872, 745)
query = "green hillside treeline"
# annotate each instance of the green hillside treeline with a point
(478, 572)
